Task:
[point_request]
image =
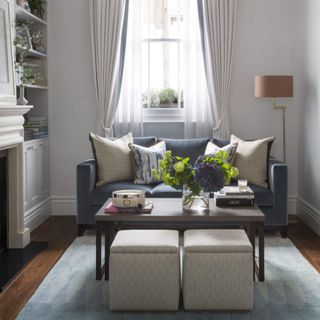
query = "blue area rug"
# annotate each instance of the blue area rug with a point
(291, 290)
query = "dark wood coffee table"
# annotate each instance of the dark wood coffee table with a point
(167, 214)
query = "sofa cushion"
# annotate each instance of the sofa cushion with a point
(145, 141)
(100, 194)
(163, 191)
(252, 160)
(113, 158)
(145, 160)
(192, 148)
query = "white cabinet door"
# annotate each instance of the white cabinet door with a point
(32, 174)
(44, 169)
(36, 181)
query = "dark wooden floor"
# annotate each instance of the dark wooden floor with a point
(61, 231)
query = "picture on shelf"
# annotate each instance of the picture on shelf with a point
(34, 72)
(23, 38)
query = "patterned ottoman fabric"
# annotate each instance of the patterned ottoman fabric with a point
(217, 270)
(145, 270)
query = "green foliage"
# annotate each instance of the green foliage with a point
(168, 96)
(37, 7)
(176, 171)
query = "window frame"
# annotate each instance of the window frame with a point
(153, 114)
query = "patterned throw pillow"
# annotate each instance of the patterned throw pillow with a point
(113, 158)
(146, 159)
(230, 148)
(251, 160)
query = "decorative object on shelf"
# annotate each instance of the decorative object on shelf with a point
(275, 87)
(7, 84)
(37, 42)
(23, 4)
(33, 72)
(37, 7)
(22, 101)
(210, 174)
(36, 128)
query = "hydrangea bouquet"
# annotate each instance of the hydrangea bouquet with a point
(210, 174)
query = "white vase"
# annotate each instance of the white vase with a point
(22, 101)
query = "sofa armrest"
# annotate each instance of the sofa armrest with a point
(278, 181)
(86, 180)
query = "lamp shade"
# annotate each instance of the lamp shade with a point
(273, 86)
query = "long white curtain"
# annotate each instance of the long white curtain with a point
(129, 113)
(107, 21)
(218, 26)
(198, 118)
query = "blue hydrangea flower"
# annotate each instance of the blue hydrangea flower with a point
(209, 176)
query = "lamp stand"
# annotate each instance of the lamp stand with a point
(283, 108)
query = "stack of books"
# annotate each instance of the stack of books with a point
(38, 126)
(231, 196)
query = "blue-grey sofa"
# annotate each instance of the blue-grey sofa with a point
(272, 201)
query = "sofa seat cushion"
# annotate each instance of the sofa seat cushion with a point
(100, 194)
(163, 191)
(192, 148)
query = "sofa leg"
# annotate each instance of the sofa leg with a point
(81, 229)
(283, 232)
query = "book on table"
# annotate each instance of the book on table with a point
(231, 196)
(111, 209)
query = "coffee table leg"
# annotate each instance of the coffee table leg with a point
(261, 251)
(98, 252)
(252, 237)
(109, 236)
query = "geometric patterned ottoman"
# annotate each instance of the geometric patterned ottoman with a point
(144, 270)
(217, 270)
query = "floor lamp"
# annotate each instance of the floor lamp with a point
(275, 87)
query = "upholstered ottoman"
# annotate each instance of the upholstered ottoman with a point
(144, 270)
(217, 270)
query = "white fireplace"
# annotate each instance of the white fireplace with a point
(11, 140)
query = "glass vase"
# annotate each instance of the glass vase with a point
(194, 203)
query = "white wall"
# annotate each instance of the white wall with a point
(72, 112)
(309, 118)
(265, 43)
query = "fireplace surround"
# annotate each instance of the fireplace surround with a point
(11, 140)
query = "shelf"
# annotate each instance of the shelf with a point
(25, 15)
(35, 86)
(32, 53)
(35, 140)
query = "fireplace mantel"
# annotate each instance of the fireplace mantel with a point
(11, 139)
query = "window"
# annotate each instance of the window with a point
(162, 46)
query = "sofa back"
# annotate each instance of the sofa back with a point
(192, 148)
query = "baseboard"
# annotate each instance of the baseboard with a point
(38, 214)
(63, 205)
(292, 205)
(308, 214)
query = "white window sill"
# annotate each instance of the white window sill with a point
(163, 115)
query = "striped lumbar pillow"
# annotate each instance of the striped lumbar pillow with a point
(113, 158)
(251, 160)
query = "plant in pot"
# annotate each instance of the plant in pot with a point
(210, 174)
(168, 98)
(37, 7)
